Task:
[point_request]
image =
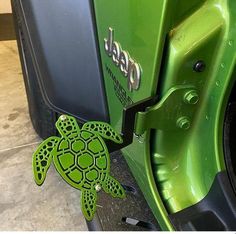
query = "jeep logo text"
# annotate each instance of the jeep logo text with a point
(121, 58)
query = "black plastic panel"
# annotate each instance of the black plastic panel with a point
(62, 40)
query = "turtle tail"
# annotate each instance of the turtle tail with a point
(112, 186)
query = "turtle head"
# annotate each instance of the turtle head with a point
(67, 126)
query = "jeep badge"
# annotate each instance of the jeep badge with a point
(121, 59)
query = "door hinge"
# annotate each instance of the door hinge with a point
(175, 111)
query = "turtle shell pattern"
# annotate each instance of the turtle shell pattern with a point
(83, 160)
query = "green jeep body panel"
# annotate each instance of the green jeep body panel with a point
(175, 167)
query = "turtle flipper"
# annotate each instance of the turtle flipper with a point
(88, 203)
(104, 130)
(112, 186)
(42, 158)
(67, 126)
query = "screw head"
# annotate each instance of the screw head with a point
(63, 118)
(199, 66)
(183, 123)
(191, 97)
(98, 187)
(140, 138)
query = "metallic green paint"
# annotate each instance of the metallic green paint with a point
(189, 160)
(163, 116)
(174, 170)
(141, 30)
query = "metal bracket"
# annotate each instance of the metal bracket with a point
(128, 123)
(175, 110)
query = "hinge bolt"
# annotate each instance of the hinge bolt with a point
(191, 97)
(183, 123)
(140, 138)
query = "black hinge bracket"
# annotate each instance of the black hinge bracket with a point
(128, 122)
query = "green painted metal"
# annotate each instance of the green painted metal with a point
(189, 160)
(140, 28)
(173, 167)
(163, 116)
(81, 158)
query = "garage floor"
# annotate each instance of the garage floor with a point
(23, 205)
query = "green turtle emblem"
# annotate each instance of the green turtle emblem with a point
(81, 158)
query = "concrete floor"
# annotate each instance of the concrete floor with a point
(23, 205)
(5, 6)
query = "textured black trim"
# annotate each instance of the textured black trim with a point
(64, 53)
(99, 57)
(42, 117)
(216, 212)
